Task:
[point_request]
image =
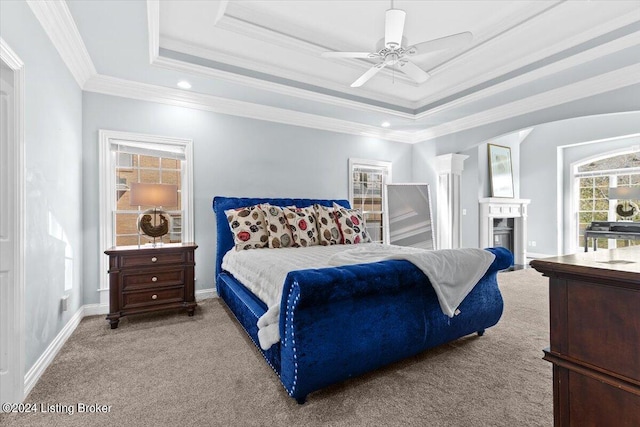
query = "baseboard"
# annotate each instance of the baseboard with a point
(45, 359)
(534, 255)
(205, 294)
(95, 309)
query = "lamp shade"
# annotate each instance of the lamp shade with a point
(153, 194)
(624, 193)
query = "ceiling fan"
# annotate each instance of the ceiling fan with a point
(393, 49)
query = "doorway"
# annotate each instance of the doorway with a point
(11, 226)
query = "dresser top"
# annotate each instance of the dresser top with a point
(619, 264)
(149, 247)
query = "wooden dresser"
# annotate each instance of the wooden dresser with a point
(146, 279)
(594, 305)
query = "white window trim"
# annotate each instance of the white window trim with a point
(575, 190)
(353, 163)
(107, 192)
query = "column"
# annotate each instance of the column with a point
(449, 168)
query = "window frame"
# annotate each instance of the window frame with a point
(613, 174)
(355, 163)
(107, 190)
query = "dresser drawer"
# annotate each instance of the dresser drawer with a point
(153, 278)
(152, 297)
(153, 259)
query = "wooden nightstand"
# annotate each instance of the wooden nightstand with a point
(142, 280)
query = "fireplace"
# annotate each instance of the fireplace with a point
(503, 222)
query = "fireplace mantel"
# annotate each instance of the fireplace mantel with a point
(491, 208)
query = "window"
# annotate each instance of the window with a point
(593, 179)
(149, 169)
(367, 179)
(126, 158)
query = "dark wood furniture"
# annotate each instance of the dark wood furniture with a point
(145, 279)
(594, 304)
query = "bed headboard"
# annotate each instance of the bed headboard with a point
(225, 237)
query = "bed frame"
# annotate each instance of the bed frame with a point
(340, 322)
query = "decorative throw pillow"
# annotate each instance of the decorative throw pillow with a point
(279, 233)
(302, 223)
(249, 227)
(352, 226)
(328, 231)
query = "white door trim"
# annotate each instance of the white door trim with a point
(16, 353)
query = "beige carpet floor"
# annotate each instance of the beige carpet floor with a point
(170, 369)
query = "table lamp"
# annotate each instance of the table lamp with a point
(626, 209)
(153, 222)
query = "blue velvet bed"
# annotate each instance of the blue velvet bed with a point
(340, 322)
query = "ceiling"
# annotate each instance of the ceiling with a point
(265, 57)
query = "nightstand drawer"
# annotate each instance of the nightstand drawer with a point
(155, 279)
(144, 279)
(152, 297)
(152, 259)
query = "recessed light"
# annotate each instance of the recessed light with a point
(385, 124)
(183, 84)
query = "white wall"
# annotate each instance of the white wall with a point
(546, 155)
(53, 153)
(537, 161)
(233, 156)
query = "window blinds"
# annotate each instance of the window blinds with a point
(168, 151)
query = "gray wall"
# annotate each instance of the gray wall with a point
(53, 153)
(544, 176)
(475, 183)
(539, 162)
(233, 156)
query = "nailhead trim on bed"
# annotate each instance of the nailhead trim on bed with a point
(293, 336)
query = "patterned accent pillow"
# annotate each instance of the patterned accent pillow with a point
(328, 230)
(302, 223)
(279, 233)
(352, 226)
(249, 227)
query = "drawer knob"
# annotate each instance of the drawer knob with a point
(154, 259)
(154, 296)
(154, 279)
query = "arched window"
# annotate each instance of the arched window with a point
(593, 180)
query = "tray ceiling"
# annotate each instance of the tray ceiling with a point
(262, 59)
(285, 39)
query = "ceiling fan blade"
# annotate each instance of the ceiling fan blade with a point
(413, 71)
(349, 55)
(370, 73)
(394, 27)
(448, 42)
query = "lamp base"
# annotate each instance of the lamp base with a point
(153, 224)
(627, 210)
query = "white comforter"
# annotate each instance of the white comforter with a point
(453, 273)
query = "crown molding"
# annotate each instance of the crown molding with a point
(56, 19)
(585, 88)
(176, 97)
(275, 70)
(500, 31)
(522, 62)
(548, 70)
(242, 20)
(141, 91)
(186, 67)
